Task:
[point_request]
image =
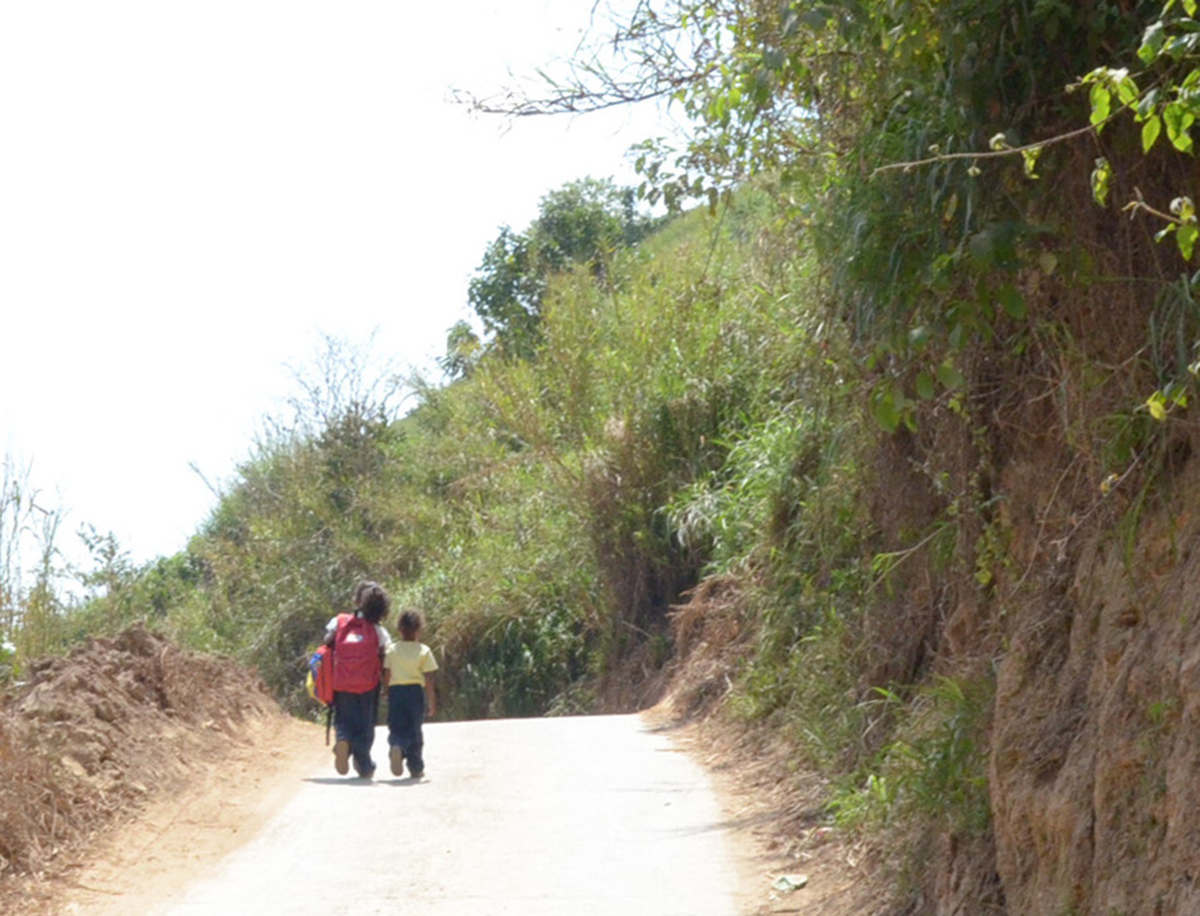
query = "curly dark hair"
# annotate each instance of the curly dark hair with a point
(372, 601)
(409, 622)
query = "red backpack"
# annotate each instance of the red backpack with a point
(319, 680)
(356, 665)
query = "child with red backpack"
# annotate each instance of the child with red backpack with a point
(358, 642)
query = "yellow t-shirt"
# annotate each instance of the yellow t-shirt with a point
(409, 662)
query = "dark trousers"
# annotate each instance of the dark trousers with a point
(354, 717)
(406, 714)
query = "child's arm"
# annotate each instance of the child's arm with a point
(385, 646)
(430, 694)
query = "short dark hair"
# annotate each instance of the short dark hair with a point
(410, 621)
(372, 601)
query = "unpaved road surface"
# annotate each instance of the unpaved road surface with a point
(591, 816)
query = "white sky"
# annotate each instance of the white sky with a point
(191, 193)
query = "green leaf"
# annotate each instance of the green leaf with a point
(1011, 301)
(957, 335)
(1180, 46)
(1031, 158)
(1101, 177)
(1152, 43)
(1184, 143)
(1101, 100)
(1150, 132)
(949, 376)
(1127, 90)
(887, 413)
(1147, 103)
(925, 389)
(1157, 406)
(1179, 120)
(1185, 238)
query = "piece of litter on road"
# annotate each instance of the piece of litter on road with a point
(785, 884)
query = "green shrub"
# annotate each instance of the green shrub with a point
(937, 770)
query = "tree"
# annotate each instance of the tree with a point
(506, 294)
(462, 350)
(582, 223)
(579, 226)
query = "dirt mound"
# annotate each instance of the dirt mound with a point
(712, 640)
(97, 734)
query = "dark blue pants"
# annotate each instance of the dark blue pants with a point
(354, 718)
(406, 714)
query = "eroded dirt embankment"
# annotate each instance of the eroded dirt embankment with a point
(98, 734)
(1095, 750)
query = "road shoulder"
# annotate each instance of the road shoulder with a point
(142, 865)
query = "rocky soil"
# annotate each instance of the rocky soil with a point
(96, 736)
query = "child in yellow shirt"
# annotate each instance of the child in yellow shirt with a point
(408, 676)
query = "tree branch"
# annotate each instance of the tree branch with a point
(995, 154)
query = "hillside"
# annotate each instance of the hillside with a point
(881, 464)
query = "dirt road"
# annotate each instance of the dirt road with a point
(592, 815)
